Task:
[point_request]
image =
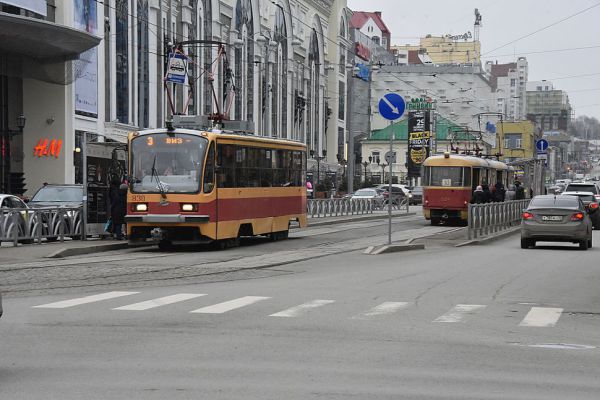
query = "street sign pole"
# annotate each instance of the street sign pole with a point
(391, 107)
(391, 164)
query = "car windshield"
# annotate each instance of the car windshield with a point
(582, 188)
(59, 194)
(169, 163)
(365, 192)
(554, 202)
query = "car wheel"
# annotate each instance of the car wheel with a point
(525, 243)
(584, 244)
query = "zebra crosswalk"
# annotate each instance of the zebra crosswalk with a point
(535, 317)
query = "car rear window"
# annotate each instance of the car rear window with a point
(582, 188)
(583, 197)
(551, 202)
(365, 192)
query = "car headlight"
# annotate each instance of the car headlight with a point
(141, 207)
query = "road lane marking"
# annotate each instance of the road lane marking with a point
(388, 307)
(544, 317)
(302, 308)
(162, 301)
(221, 308)
(85, 300)
(459, 312)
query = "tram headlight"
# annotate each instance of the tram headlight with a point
(189, 207)
(141, 207)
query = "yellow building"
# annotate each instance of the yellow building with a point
(517, 140)
(459, 49)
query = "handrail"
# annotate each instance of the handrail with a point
(319, 208)
(30, 225)
(490, 218)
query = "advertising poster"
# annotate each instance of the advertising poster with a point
(86, 84)
(419, 140)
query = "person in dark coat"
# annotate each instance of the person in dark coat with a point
(118, 209)
(499, 192)
(486, 192)
(478, 196)
(519, 191)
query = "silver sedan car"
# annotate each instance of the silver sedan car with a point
(551, 218)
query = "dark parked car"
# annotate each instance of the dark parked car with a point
(591, 204)
(417, 195)
(551, 218)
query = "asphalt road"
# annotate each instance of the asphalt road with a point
(480, 322)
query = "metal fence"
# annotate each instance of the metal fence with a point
(318, 208)
(489, 218)
(28, 225)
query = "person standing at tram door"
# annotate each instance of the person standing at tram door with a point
(486, 192)
(118, 209)
(478, 196)
(519, 191)
(499, 192)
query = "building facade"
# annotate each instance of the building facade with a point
(459, 49)
(515, 140)
(275, 63)
(549, 109)
(509, 83)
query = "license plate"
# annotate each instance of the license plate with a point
(551, 218)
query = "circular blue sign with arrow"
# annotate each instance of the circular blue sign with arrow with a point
(541, 145)
(391, 106)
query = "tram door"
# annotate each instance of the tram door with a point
(476, 179)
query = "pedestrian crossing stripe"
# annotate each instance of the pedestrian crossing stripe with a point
(545, 317)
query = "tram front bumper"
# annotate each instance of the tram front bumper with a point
(166, 218)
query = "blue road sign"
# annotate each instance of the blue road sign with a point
(391, 106)
(541, 146)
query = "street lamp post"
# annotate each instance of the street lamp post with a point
(312, 155)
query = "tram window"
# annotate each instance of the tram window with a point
(209, 171)
(466, 177)
(446, 176)
(226, 162)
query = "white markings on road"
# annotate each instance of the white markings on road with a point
(302, 308)
(162, 301)
(459, 312)
(230, 305)
(85, 300)
(545, 317)
(388, 307)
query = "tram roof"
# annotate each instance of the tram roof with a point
(223, 135)
(457, 160)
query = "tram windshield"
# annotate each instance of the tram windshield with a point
(162, 163)
(447, 176)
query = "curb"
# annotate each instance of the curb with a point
(490, 238)
(78, 251)
(393, 248)
(367, 217)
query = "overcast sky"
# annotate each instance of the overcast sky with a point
(504, 21)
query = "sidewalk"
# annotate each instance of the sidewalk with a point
(68, 248)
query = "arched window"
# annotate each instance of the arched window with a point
(279, 79)
(343, 27)
(313, 85)
(244, 61)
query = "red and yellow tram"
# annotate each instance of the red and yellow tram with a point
(193, 186)
(450, 179)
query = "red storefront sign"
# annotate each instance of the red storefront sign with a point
(48, 148)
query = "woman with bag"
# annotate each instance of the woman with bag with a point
(118, 209)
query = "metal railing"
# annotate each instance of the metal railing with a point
(318, 208)
(30, 225)
(489, 218)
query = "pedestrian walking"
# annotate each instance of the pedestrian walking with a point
(478, 196)
(118, 209)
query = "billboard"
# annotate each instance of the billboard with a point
(86, 84)
(419, 140)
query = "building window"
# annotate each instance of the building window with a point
(340, 143)
(122, 60)
(376, 157)
(143, 64)
(539, 88)
(342, 101)
(313, 93)
(244, 65)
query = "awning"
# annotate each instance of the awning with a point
(42, 40)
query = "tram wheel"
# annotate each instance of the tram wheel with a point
(435, 221)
